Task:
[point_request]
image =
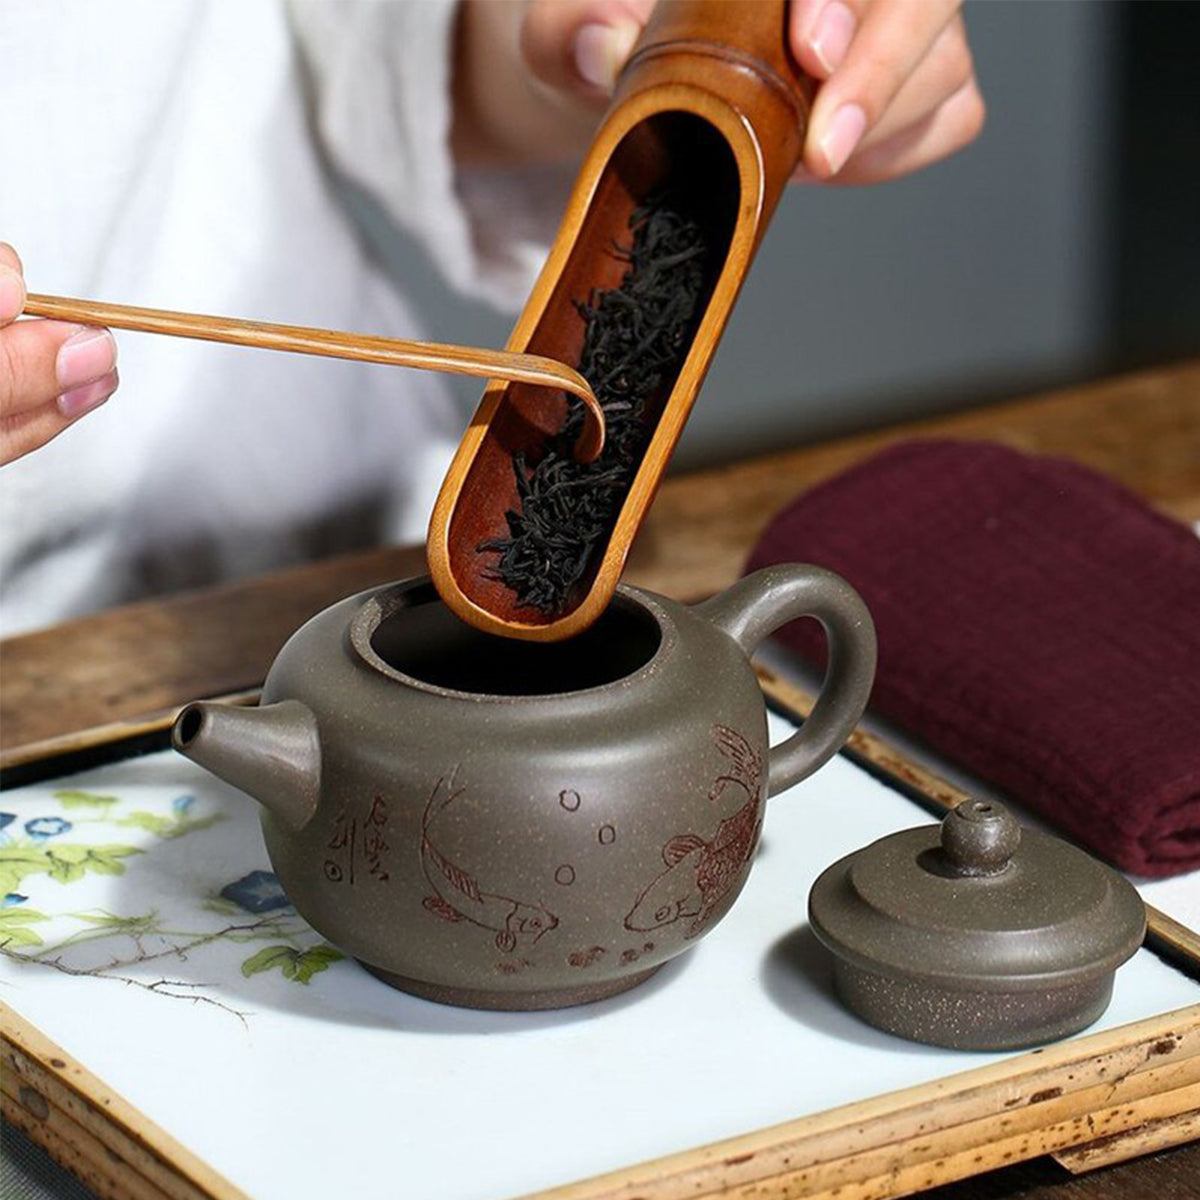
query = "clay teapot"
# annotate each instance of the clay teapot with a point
(500, 824)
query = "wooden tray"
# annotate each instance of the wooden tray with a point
(1093, 1099)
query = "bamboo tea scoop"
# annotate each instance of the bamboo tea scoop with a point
(529, 370)
(711, 107)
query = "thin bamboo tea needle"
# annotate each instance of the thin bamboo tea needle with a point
(531, 369)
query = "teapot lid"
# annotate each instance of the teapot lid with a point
(979, 904)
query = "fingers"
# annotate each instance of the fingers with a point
(26, 431)
(51, 373)
(12, 285)
(887, 66)
(43, 360)
(955, 124)
(821, 32)
(941, 74)
(580, 46)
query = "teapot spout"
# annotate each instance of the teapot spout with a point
(272, 753)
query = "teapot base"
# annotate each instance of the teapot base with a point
(511, 1001)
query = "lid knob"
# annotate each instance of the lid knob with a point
(979, 837)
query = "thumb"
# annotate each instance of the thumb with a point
(580, 46)
(12, 285)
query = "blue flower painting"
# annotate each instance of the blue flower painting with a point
(258, 892)
(41, 828)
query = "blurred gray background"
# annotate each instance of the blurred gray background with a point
(980, 277)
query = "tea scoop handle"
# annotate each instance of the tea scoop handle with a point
(754, 607)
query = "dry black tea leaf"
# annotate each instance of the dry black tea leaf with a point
(637, 335)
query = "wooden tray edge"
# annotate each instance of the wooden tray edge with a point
(1150, 1138)
(49, 1095)
(1044, 1101)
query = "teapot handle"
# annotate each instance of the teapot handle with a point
(754, 607)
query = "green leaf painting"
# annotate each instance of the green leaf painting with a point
(64, 862)
(315, 959)
(271, 957)
(146, 923)
(190, 825)
(167, 827)
(69, 798)
(14, 929)
(148, 821)
(68, 863)
(18, 861)
(297, 965)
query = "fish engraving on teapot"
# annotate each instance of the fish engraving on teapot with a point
(458, 895)
(701, 872)
(496, 825)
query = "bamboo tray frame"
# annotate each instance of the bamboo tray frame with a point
(1089, 1102)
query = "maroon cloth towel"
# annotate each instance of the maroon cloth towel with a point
(1037, 623)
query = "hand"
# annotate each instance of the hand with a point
(531, 79)
(51, 372)
(897, 83)
(898, 88)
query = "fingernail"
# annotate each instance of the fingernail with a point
(601, 51)
(843, 133)
(85, 356)
(831, 35)
(12, 294)
(79, 400)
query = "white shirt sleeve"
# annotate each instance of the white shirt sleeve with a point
(380, 75)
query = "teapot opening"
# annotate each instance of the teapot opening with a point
(190, 722)
(418, 636)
